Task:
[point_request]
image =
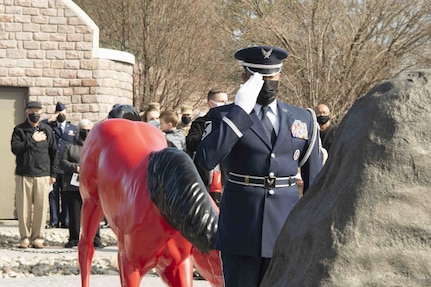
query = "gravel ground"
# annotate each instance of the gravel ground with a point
(54, 259)
(48, 266)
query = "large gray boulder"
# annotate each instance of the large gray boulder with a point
(366, 221)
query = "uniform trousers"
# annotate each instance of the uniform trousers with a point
(58, 204)
(239, 271)
(32, 206)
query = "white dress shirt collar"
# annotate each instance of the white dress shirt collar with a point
(61, 125)
(272, 106)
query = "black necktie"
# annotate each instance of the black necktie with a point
(266, 122)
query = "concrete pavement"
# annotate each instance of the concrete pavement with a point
(75, 281)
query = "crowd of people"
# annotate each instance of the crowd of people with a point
(253, 155)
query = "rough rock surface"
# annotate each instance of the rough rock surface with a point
(366, 221)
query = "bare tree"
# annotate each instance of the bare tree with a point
(179, 47)
(338, 49)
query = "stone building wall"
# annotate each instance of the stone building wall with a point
(52, 48)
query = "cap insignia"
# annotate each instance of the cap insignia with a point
(266, 54)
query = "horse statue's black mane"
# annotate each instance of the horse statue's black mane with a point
(177, 190)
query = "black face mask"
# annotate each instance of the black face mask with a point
(34, 117)
(323, 119)
(186, 120)
(83, 134)
(268, 93)
(61, 118)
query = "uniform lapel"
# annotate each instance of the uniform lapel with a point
(57, 129)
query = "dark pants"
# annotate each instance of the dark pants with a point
(239, 271)
(74, 201)
(58, 213)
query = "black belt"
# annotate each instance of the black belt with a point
(269, 181)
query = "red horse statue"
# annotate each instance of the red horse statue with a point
(154, 201)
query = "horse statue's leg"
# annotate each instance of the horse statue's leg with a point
(178, 272)
(209, 266)
(130, 275)
(139, 249)
(91, 214)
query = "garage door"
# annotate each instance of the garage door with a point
(12, 113)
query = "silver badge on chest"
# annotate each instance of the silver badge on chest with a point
(296, 154)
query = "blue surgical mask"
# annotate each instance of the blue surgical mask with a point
(155, 123)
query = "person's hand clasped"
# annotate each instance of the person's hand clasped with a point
(52, 180)
(39, 136)
(247, 94)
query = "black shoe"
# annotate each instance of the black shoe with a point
(50, 225)
(66, 226)
(106, 225)
(70, 244)
(98, 245)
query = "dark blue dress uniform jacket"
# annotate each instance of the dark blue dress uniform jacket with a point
(69, 135)
(251, 218)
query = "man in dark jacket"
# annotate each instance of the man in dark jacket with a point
(327, 128)
(215, 98)
(34, 146)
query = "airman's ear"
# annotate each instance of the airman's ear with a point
(246, 75)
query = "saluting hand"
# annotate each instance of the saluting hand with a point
(246, 96)
(53, 117)
(39, 136)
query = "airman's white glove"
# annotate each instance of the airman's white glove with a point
(247, 94)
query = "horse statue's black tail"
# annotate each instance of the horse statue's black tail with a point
(177, 190)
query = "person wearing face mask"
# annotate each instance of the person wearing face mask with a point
(186, 119)
(151, 116)
(327, 129)
(216, 98)
(69, 162)
(262, 141)
(65, 133)
(34, 146)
